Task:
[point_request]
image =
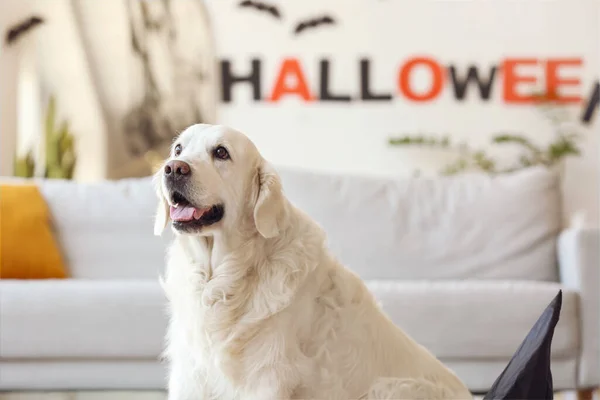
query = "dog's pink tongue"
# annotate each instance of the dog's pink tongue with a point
(182, 213)
(186, 213)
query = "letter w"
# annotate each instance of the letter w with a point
(460, 85)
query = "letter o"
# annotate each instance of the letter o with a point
(437, 74)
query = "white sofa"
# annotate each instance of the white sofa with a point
(465, 265)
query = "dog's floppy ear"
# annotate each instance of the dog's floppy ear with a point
(162, 213)
(270, 209)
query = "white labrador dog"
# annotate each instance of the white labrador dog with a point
(260, 309)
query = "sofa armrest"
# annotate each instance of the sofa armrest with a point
(579, 263)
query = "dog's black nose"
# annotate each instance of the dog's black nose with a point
(177, 169)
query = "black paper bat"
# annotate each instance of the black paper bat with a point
(313, 23)
(17, 30)
(268, 8)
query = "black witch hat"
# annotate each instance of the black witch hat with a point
(528, 375)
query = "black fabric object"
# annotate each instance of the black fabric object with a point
(528, 375)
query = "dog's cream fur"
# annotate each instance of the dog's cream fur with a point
(261, 310)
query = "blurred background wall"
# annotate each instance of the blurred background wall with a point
(545, 40)
(319, 84)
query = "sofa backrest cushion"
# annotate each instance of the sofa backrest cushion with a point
(106, 229)
(466, 226)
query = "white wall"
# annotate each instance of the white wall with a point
(84, 59)
(64, 72)
(353, 137)
(119, 75)
(10, 11)
(8, 111)
(333, 136)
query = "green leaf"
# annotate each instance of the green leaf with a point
(455, 167)
(526, 161)
(420, 140)
(483, 161)
(52, 150)
(50, 116)
(66, 140)
(25, 166)
(60, 146)
(515, 139)
(561, 149)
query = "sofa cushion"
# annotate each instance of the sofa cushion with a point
(127, 319)
(81, 319)
(28, 249)
(483, 320)
(106, 228)
(468, 226)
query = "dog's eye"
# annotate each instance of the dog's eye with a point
(177, 150)
(221, 153)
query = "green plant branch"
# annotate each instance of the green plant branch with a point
(565, 144)
(60, 149)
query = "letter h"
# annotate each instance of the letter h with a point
(228, 79)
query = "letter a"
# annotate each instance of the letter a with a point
(290, 70)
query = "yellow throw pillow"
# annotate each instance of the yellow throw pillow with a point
(28, 249)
